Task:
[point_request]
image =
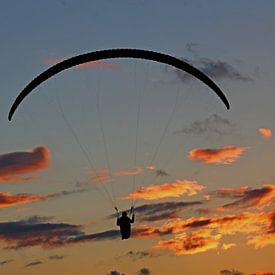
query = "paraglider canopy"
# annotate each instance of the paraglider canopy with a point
(116, 53)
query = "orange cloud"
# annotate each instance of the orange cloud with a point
(99, 63)
(226, 246)
(263, 273)
(7, 199)
(102, 175)
(225, 155)
(166, 190)
(259, 228)
(248, 197)
(196, 242)
(265, 132)
(13, 166)
(131, 172)
(151, 168)
(261, 241)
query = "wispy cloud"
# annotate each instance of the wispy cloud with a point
(56, 257)
(265, 132)
(34, 263)
(213, 124)
(217, 69)
(161, 211)
(114, 272)
(166, 190)
(260, 228)
(103, 175)
(226, 246)
(7, 199)
(248, 197)
(99, 63)
(193, 243)
(225, 155)
(263, 273)
(230, 272)
(144, 271)
(6, 262)
(15, 166)
(139, 255)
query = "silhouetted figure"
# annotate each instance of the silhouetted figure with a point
(125, 224)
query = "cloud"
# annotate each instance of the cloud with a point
(263, 273)
(102, 175)
(56, 257)
(98, 64)
(166, 190)
(260, 228)
(160, 211)
(216, 69)
(139, 255)
(163, 211)
(248, 197)
(114, 272)
(130, 172)
(265, 132)
(13, 166)
(161, 173)
(144, 271)
(36, 231)
(213, 124)
(230, 272)
(225, 155)
(6, 262)
(34, 263)
(226, 246)
(7, 199)
(193, 243)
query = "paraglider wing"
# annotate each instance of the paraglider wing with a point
(116, 53)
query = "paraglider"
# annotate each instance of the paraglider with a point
(116, 53)
(124, 221)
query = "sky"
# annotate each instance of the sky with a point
(126, 132)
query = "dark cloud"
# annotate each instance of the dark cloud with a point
(263, 273)
(114, 272)
(56, 257)
(34, 263)
(15, 165)
(144, 271)
(101, 236)
(247, 197)
(37, 232)
(213, 124)
(161, 211)
(6, 262)
(216, 69)
(161, 173)
(66, 193)
(139, 255)
(230, 272)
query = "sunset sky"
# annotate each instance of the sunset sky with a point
(123, 131)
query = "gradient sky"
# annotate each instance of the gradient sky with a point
(206, 203)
